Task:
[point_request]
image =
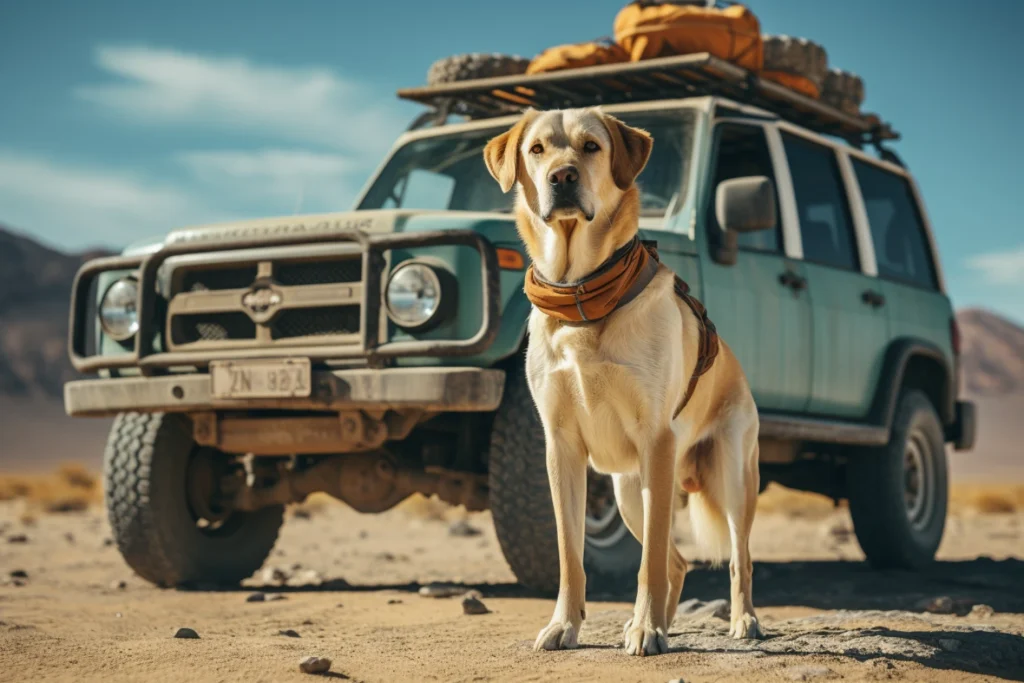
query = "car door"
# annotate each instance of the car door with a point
(759, 303)
(850, 328)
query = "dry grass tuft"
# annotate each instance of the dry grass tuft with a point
(72, 488)
(990, 499)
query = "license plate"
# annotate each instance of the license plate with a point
(260, 378)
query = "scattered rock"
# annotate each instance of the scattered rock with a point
(340, 605)
(307, 622)
(394, 601)
(256, 597)
(696, 609)
(940, 605)
(386, 557)
(441, 590)
(315, 665)
(807, 673)
(291, 633)
(473, 605)
(981, 611)
(17, 538)
(119, 585)
(949, 644)
(463, 528)
(185, 632)
(107, 542)
(274, 576)
(19, 574)
(364, 534)
(18, 582)
(70, 538)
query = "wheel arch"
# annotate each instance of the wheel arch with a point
(915, 364)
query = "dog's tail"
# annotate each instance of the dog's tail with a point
(710, 528)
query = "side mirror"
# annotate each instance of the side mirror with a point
(746, 204)
(742, 205)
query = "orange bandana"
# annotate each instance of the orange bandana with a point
(614, 284)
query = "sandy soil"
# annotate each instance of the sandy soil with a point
(355, 599)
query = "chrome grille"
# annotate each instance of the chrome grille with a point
(266, 302)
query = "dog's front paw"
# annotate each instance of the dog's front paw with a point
(557, 635)
(746, 627)
(644, 640)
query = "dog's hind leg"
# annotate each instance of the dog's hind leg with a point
(738, 458)
(567, 476)
(630, 501)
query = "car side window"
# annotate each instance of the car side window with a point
(743, 151)
(826, 228)
(901, 248)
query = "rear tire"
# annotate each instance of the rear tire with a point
(844, 91)
(524, 515)
(147, 469)
(898, 493)
(475, 65)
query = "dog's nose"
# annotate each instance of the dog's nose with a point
(564, 175)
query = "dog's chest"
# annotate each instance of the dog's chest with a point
(580, 384)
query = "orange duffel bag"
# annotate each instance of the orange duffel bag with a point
(601, 51)
(647, 30)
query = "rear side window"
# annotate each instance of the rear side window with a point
(743, 151)
(825, 225)
(901, 247)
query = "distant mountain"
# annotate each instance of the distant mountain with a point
(992, 356)
(35, 289)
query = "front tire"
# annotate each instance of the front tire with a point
(150, 468)
(524, 515)
(898, 493)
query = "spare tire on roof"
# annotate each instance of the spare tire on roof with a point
(844, 91)
(476, 65)
(796, 63)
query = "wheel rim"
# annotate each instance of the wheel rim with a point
(918, 480)
(604, 525)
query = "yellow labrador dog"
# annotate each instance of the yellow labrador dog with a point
(615, 351)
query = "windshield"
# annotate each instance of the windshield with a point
(447, 172)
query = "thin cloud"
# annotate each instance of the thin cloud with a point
(300, 180)
(80, 206)
(1001, 268)
(308, 105)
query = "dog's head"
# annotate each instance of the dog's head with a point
(572, 166)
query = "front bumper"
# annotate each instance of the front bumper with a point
(428, 389)
(961, 433)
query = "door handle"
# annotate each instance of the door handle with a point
(792, 280)
(873, 298)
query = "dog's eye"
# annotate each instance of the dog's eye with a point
(537, 149)
(591, 146)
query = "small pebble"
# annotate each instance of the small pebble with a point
(315, 665)
(107, 542)
(463, 528)
(119, 585)
(307, 622)
(17, 538)
(70, 538)
(473, 605)
(18, 582)
(185, 632)
(19, 574)
(982, 611)
(394, 601)
(291, 633)
(256, 597)
(364, 534)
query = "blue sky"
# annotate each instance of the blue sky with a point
(121, 120)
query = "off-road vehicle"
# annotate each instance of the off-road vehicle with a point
(376, 353)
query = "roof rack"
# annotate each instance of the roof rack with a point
(691, 75)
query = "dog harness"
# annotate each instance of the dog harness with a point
(615, 283)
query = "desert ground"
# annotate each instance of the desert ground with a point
(70, 609)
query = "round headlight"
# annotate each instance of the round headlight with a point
(413, 295)
(118, 316)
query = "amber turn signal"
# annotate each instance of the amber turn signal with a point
(510, 259)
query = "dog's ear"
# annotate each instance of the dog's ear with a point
(631, 147)
(502, 152)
